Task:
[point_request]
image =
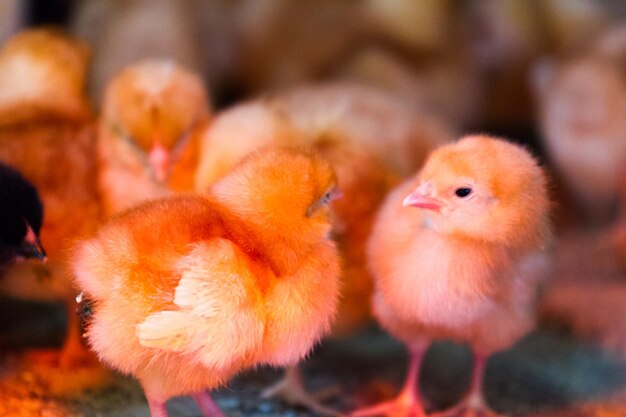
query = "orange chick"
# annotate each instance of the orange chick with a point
(148, 134)
(47, 133)
(456, 253)
(372, 139)
(189, 290)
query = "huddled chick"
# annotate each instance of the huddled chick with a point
(187, 291)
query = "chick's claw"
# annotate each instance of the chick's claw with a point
(404, 406)
(291, 390)
(207, 405)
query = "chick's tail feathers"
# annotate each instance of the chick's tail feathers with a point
(219, 329)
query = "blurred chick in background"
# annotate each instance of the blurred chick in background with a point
(43, 77)
(461, 59)
(47, 133)
(581, 107)
(465, 265)
(400, 46)
(188, 291)
(21, 214)
(583, 100)
(372, 139)
(153, 114)
(366, 118)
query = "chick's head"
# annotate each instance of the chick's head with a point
(155, 105)
(484, 188)
(282, 191)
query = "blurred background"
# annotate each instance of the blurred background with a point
(550, 74)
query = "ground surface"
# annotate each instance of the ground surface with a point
(549, 374)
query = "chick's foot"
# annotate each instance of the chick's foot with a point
(474, 404)
(291, 390)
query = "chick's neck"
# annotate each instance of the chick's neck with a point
(283, 246)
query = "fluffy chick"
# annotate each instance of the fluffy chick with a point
(21, 214)
(465, 266)
(47, 133)
(148, 134)
(188, 291)
(372, 139)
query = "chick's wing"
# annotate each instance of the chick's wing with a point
(219, 317)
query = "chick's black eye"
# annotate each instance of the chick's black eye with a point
(463, 192)
(326, 198)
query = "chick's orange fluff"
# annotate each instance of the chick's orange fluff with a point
(471, 247)
(189, 290)
(457, 253)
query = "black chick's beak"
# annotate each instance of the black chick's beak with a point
(31, 248)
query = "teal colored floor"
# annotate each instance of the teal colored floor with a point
(548, 374)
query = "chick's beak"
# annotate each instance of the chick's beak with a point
(31, 247)
(420, 198)
(159, 161)
(336, 194)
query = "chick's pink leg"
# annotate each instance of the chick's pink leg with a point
(409, 402)
(207, 405)
(157, 408)
(474, 404)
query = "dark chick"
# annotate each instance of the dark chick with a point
(21, 213)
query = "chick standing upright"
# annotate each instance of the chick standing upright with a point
(466, 265)
(47, 133)
(21, 214)
(189, 290)
(148, 133)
